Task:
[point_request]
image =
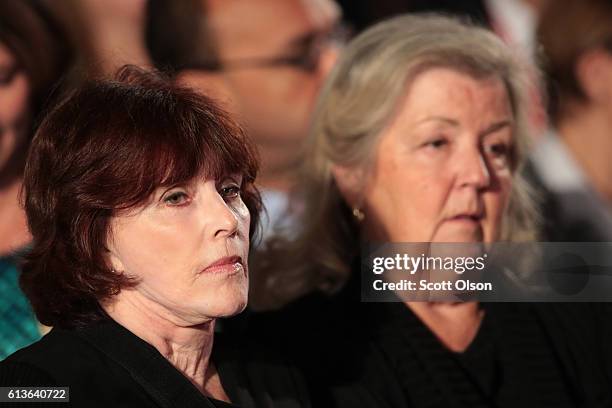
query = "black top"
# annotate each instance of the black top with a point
(356, 354)
(516, 359)
(107, 366)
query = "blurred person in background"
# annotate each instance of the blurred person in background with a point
(363, 13)
(106, 34)
(512, 19)
(419, 136)
(33, 57)
(265, 59)
(572, 165)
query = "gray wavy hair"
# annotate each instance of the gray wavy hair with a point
(356, 103)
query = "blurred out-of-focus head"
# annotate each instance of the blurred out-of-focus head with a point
(576, 37)
(416, 78)
(265, 58)
(442, 170)
(106, 34)
(33, 56)
(417, 136)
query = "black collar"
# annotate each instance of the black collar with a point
(167, 386)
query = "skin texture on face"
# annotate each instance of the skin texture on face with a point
(170, 245)
(274, 102)
(14, 99)
(442, 171)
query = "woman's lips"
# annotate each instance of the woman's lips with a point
(228, 264)
(471, 220)
(467, 217)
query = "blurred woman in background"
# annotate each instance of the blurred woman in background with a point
(419, 136)
(33, 57)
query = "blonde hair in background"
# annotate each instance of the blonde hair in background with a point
(357, 102)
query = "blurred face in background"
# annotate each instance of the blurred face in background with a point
(443, 167)
(14, 101)
(290, 49)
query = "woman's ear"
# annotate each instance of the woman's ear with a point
(114, 263)
(351, 183)
(113, 259)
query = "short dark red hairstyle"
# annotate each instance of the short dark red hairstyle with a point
(104, 149)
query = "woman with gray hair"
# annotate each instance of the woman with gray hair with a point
(419, 136)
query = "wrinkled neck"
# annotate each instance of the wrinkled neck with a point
(185, 345)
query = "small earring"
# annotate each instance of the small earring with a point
(358, 214)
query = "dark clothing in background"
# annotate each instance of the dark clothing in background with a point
(107, 366)
(567, 215)
(572, 211)
(363, 13)
(356, 354)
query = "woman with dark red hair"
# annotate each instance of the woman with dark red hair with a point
(140, 199)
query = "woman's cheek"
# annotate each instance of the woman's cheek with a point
(243, 213)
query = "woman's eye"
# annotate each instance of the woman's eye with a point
(7, 75)
(230, 191)
(499, 153)
(176, 198)
(437, 143)
(499, 150)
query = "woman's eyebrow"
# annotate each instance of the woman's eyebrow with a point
(497, 126)
(236, 177)
(443, 119)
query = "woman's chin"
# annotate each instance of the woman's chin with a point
(459, 233)
(230, 306)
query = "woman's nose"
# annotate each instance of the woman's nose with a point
(474, 170)
(223, 219)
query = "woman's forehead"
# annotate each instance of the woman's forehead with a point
(449, 96)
